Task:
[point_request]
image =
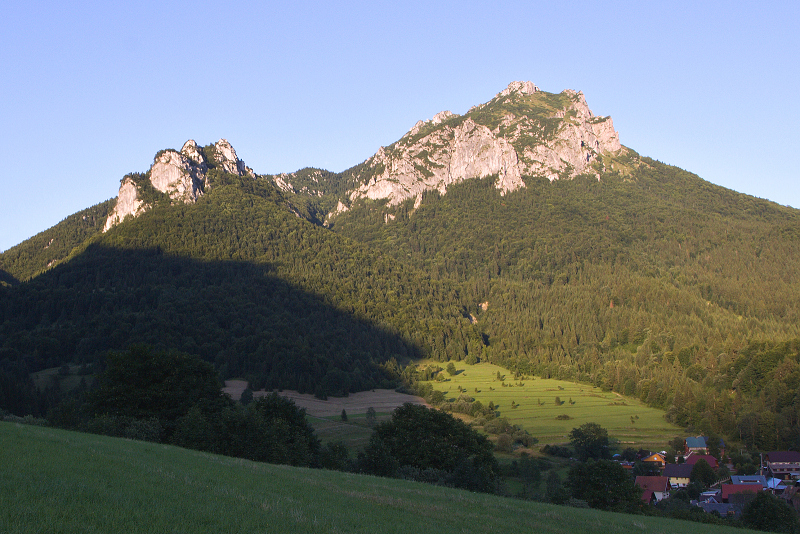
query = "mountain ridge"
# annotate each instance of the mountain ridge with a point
(522, 131)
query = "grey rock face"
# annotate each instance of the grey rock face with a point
(128, 203)
(460, 148)
(178, 176)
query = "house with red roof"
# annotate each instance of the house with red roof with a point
(694, 458)
(653, 488)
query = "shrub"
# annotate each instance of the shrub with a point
(505, 443)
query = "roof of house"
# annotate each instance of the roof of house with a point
(698, 442)
(653, 483)
(677, 470)
(776, 483)
(730, 489)
(749, 479)
(783, 456)
(657, 457)
(694, 458)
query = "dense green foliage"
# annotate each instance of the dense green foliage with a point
(605, 485)
(430, 445)
(703, 473)
(239, 280)
(45, 249)
(590, 440)
(142, 384)
(171, 397)
(650, 284)
(768, 512)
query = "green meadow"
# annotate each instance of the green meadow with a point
(627, 420)
(59, 481)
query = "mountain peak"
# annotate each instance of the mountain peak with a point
(523, 88)
(180, 174)
(540, 134)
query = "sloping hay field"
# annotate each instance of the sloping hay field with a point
(58, 481)
(539, 402)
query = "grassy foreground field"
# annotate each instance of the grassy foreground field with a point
(58, 481)
(626, 419)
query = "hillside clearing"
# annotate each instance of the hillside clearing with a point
(540, 401)
(382, 400)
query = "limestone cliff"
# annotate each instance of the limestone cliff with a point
(181, 175)
(521, 132)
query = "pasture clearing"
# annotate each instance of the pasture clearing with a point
(382, 400)
(627, 419)
(325, 415)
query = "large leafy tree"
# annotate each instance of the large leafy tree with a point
(703, 473)
(270, 429)
(590, 440)
(183, 393)
(142, 383)
(767, 512)
(430, 440)
(604, 484)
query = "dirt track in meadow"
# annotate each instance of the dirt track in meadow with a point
(382, 400)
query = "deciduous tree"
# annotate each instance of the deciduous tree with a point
(426, 439)
(590, 440)
(604, 484)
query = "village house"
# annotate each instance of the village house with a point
(694, 458)
(656, 459)
(678, 474)
(695, 445)
(739, 493)
(653, 488)
(750, 479)
(783, 464)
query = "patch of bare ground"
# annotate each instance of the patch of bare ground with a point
(382, 400)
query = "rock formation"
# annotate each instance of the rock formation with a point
(521, 132)
(181, 175)
(128, 203)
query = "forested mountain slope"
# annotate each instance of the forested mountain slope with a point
(240, 280)
(521, 233)
(52, 246)
(649, 284)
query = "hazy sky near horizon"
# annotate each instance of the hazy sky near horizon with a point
(91, 90)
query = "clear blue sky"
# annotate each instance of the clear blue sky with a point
(90, 91)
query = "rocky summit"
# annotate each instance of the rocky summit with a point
(522, 131)
(181, 175)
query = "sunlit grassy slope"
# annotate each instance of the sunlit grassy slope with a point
(58, 481)
(626, 419)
